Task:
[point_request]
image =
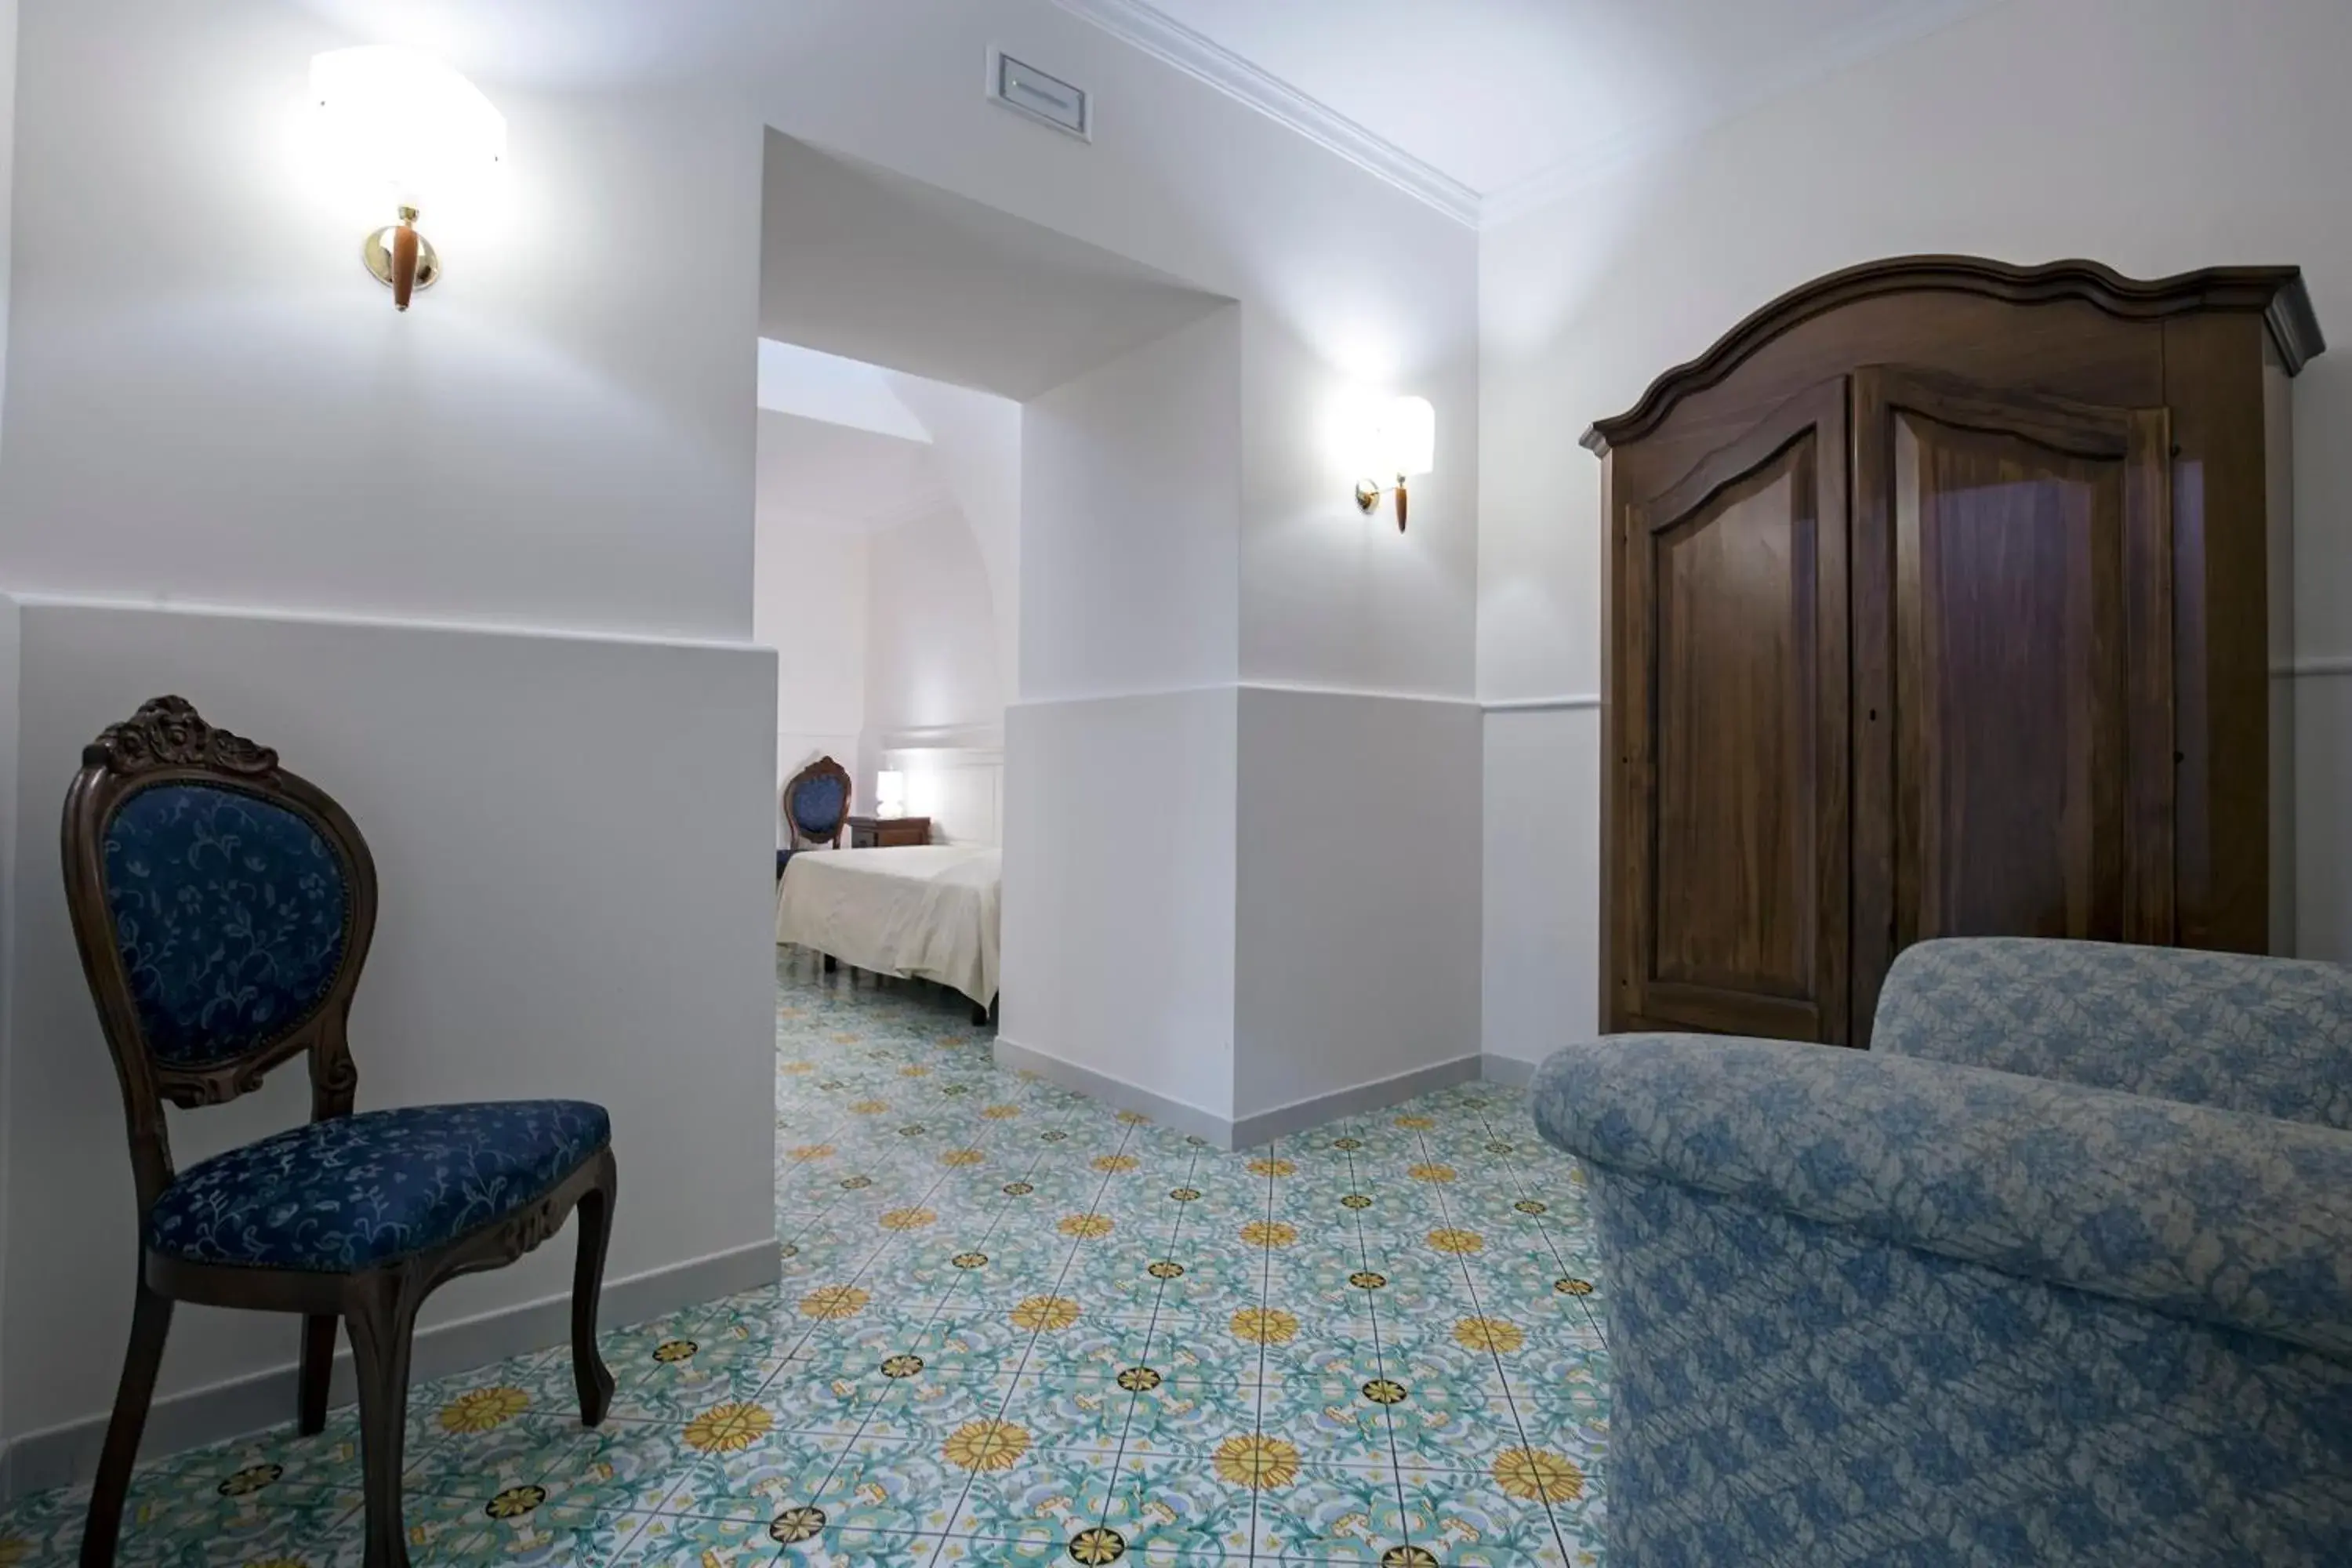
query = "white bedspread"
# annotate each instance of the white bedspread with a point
(927, 912)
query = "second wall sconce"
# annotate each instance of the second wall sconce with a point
(1403, 441)
(405, 128)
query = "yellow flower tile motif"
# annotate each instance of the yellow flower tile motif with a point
(908, 1219)
(1488, 1334)
(669, 1352)
(1134, 1119)
(797, 1069)
(1264, 1326)
(808, 1151)
(1256, 1462)
(987, 1444)
(1537, 1475)
(963, 1157)
(1416, 1123)
(831, 1303)
(917, 1071)
(1273, 1167)
(1086, 1227)
(729, 1428)
(847, 1039)
(1097, 1546)
(1001, 1112)
(1573, 1286)
(484, 1409)
(515, 1501)
(1430, 1173)
(16, 1550)
(1269, 1233)
(1455, 1239)
(1045, 1314)
(1113, 1165)
(869, 1107)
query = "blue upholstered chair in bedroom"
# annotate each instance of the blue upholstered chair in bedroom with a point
(2059, 1272)
(223, 907)
(816, 807)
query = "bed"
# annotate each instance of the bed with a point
(922, 912)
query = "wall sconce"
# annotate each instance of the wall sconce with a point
(1403, 441)
(402, 123)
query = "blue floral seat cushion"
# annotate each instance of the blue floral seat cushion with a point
(358, 1190)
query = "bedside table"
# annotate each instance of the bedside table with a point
(888, 832)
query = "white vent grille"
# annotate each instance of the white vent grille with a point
(1047, 100)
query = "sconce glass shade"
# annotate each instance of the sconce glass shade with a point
(890, 793)
(1408, 437)
(405, 124)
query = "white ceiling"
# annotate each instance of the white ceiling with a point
(1505, 96)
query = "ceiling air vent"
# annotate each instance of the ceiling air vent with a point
(1040, 97)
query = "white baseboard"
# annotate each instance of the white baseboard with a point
(66, 1455)
(1115, 1093)
(1265, 1126)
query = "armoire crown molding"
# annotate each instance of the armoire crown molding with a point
(1167, 40)
(2277, 292)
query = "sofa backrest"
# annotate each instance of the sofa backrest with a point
(2269, 1036)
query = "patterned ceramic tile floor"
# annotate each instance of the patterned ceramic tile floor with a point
(1012, 1327)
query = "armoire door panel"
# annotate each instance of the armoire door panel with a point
(1738, 758)
(2015, 630)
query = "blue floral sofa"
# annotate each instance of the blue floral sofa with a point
(2059, 1272)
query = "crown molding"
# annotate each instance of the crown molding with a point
(1164, 38)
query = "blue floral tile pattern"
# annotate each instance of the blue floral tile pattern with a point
(1013, 1326)
(231, 913)
(358, 1190)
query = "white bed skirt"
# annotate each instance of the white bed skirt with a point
(926, 912)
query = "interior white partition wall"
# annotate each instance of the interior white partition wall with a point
(2156, 135)
(558, 916)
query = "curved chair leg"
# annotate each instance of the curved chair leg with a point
(318, 1369)
(150, 1322)
(381, 1316)
(588, 1368)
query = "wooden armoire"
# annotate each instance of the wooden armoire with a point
(1942, 599)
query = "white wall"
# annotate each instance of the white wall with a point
(2156, 135)
(1130, 566)
(556, 435)
(976, 444)
(931, 633)
(810, 591)
(1106, 800)
(8, 649)
(1357, 923)
(11, 669)
(559, 916)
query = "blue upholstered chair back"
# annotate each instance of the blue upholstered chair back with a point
(816, 802)
(223, 907)
(232, 915)
(818, 805)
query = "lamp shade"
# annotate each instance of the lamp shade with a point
(890, 792)
(1408, 436)
(404, 123)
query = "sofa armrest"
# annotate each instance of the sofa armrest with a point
(2210, 1215)
(2269, 1036)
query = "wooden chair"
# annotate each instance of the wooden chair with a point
(224, 907)
(817, 804)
